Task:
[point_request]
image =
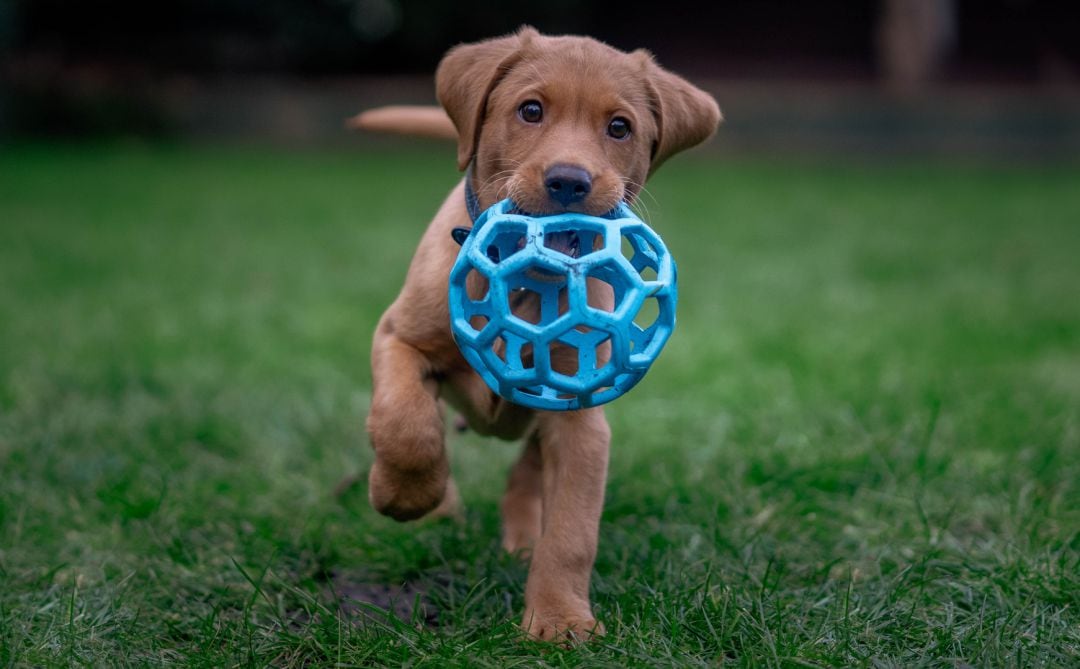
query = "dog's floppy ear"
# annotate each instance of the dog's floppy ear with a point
(685, 115)
(467, 75)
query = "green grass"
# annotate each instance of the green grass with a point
(861, 448)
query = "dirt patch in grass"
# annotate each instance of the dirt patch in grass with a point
(360, 597)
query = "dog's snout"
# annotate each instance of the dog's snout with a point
(567, 184)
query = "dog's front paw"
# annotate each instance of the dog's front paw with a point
(406, 494)
(569, 629)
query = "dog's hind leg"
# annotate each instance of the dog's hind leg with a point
(410, 473)
(523, 503)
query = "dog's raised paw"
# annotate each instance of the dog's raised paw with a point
(405, 495)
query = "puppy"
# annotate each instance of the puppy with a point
(557, 124)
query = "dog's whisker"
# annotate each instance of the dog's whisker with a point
(495, 179)
(641, 190)
(642, 210)
(506, 188)
(498, 175)
(493, 182)
(639, 205)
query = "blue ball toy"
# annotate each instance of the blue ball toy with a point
(565, 311)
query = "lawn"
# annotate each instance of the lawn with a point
(860, 448)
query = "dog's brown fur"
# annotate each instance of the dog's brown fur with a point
(551, 509)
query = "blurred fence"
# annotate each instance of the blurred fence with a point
(872, 77)
(980, 120)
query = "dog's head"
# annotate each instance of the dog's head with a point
(566, 123)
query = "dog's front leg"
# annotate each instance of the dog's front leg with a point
(574, 451)
(410, 473)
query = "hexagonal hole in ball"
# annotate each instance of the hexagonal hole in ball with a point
(564, 358)
(604, 289)
(602, 352)
(498, 347)
(512, 350)
(648, 313)
(476, 286)
(478, 322)
(575, 241)
(525, 304)
(641, 254)
(537, 300)
(505, 244)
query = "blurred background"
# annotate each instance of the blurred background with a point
(978, 77)
(861, 447)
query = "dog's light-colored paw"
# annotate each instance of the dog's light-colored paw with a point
(405, 495)
(569, 629)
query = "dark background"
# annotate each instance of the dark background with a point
(804, 74)
(997, 39)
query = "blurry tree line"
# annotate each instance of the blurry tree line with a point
(1013, 38)
(53, 51)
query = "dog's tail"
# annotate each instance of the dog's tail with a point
(417, 121)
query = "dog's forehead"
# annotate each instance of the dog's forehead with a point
(579, 66)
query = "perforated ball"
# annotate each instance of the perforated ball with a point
(561, 312)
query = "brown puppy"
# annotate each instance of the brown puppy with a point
(557, 124)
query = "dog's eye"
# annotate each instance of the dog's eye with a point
(530, 111)
(619, 128)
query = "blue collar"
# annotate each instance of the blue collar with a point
(472, 202)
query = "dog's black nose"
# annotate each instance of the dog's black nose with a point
(567, 184)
